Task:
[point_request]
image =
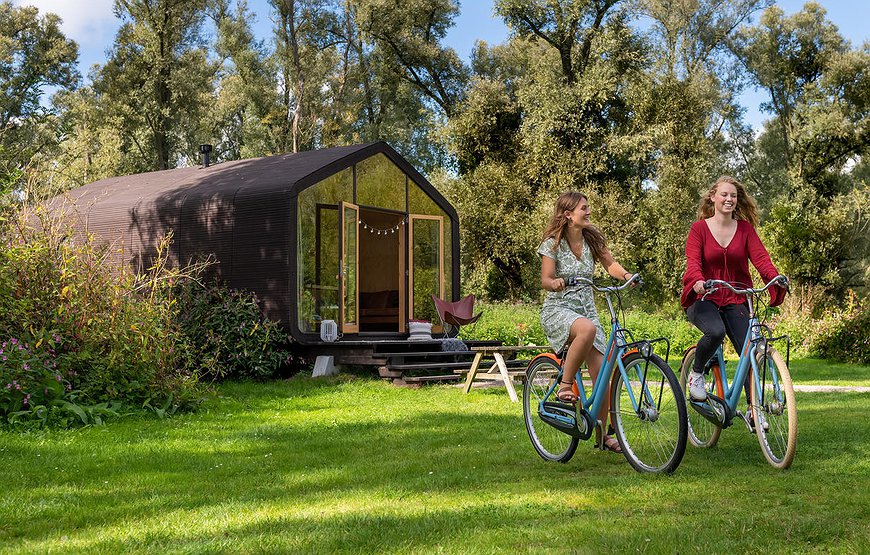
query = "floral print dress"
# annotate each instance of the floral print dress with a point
(561, 308)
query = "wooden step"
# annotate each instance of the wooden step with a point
(424, 379)
(385, 372)
(428, 365)
(425, 354)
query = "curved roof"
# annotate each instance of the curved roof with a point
(289, 173)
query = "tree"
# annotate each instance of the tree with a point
(34, 55)
(306, 33)
(547, 112)
(409, 35)
(689, 110)
(819, 97)
(241, 122)
(157, 82)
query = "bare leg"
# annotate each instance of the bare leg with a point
(580, 340)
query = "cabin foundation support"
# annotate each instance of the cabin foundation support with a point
(324, 366)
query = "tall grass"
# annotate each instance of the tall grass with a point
(358, 466)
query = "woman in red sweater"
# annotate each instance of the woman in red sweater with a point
(720, 246)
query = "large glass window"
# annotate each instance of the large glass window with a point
(421, 203)
(380, 183)
(318, 249)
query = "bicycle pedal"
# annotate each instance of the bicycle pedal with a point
(745, 418)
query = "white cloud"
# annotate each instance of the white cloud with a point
(88, 22)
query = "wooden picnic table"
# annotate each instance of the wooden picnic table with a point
(499, 369)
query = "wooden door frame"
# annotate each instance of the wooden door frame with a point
(342, 265)
(440, 220)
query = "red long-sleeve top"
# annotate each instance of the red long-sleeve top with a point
(707, 259)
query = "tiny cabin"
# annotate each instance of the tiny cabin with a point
(350, 234)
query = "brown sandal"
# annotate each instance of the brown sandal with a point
(610, 444)
(566, 392)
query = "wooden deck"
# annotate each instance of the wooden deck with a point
(403, 362)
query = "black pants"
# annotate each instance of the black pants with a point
(715, 322)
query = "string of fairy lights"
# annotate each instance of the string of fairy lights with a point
(381, 231)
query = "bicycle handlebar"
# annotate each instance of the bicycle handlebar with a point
(711, 285)
(579, 280)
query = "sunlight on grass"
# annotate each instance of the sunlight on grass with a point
(356, 465)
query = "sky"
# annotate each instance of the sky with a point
(92, 24)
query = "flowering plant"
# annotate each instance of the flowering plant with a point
(29, 373)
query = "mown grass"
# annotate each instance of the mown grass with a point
(351, 464)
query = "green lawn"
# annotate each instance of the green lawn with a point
(356, 465)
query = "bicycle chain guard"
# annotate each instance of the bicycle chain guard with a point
(565, 418)
(715, 410)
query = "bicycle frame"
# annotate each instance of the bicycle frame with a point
(747, 360)
(617, 347)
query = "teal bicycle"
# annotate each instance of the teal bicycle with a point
(646, 401)
(772, 413)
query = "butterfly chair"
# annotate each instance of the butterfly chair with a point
(456, 314)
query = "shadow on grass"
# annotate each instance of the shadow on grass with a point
(315, 465)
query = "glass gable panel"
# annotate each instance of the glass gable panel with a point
(380, 183)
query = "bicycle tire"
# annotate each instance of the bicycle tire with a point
(775, 404)
(653, 438)
(702, 432)
(551, 444)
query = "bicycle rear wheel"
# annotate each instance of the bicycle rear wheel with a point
(702, 432)
(775, 406)
(649, 414)
(550, 443)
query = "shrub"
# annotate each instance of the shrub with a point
(119, 337)
(844, 335)
(29, 374)
(512, 324)
(840, 333)
(228, 335)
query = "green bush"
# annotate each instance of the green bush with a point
(839, 333)
(29, 374)
(228, 335)
(512, 324)
(678, 331)
(119, 339)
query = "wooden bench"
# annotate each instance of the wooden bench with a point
(501, 370)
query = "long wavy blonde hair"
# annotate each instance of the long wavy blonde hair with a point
(746, 207)
(558, 223)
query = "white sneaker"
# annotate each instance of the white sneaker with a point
(697, 387)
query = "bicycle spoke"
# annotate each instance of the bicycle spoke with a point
(550, 443)
(774, 406)
(652, 434)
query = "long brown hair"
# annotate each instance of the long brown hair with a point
(746, 207)
(558, 223)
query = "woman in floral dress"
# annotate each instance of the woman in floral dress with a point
(570, 247)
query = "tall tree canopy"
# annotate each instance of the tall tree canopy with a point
(34, 55)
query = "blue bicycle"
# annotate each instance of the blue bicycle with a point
(772, 413)
(646, 402)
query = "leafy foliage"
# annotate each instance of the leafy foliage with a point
(838, 333)
(227, 333)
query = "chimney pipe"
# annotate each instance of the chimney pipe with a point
(205, 150)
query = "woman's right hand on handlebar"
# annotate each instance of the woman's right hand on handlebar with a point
(700, 287)
(557, 284)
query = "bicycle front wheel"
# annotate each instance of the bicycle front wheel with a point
(774, 410)
(550, 443)
(649, 414)
(702, 432)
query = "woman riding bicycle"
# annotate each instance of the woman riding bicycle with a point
(570, 247)
(720, 245)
